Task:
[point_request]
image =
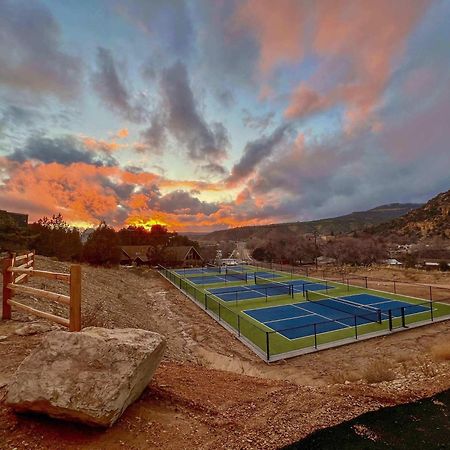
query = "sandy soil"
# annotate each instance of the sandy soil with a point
(211, 391)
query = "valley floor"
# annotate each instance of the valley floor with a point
(211, 391)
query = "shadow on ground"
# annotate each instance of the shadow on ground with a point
(424, 424)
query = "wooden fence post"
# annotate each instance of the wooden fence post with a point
(75, 298)
(7, 278)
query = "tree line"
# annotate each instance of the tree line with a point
(54, 237)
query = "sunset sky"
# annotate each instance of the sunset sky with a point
(208, 114)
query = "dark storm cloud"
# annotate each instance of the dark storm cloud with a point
(63, 150)
(155, 136)
(182, 202)
(203, 141)
(31, 58)
(256, 151)
(112, 90)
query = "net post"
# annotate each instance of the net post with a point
(315, 336)
(205, 298)
(431, 311)
(267, 347)
(303, 289)
(402, 310)
(254, 276)
(390, 319)
(266, 295)
(206, 302)
(356, 328)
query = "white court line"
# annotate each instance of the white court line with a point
(325, 317)
(288, 318)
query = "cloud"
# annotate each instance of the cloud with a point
(257, 122)
(304, 102)
(154, 137)
(182, 202)
(64, 150)
(169, 20)
(112, 89)
(278, 27)
(255, 152)
(367, 36)
(203, 141)
(122, 133)
(31, 55)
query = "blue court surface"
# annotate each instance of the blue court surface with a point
(306, 318)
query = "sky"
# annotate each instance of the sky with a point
(209, 114)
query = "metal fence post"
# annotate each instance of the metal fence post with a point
(356, 329)
(431, 311)
(402, 310)
(390, 319)
(315, 336)
(431, 295)
(239, 324)
(267, 347)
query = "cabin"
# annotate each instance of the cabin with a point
(19, 219)
(182, 256)
(134, 254)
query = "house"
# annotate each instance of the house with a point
(134, 254)
(21, 220)
(183, 256)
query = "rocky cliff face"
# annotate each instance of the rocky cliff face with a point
(432, 219)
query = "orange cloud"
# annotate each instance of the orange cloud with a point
(367, 35)
(85, 193)
(122, 133)
(278, 26)
(305, 101)
(96, 145)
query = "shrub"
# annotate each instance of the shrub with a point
(441, 351)
(378, 371)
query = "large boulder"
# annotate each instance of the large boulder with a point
(90, 376)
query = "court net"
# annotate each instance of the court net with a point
(275, 286)
(355, 309)
(234, 274)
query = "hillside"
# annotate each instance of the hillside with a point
(432, 219)
(341, 224)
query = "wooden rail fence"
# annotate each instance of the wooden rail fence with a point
(14, 277)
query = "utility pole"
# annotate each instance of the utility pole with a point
(315, 245)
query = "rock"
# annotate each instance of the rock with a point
(90, 377)
(33, 328)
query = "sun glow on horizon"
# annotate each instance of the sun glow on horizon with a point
(146, 223)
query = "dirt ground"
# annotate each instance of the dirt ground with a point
(211, 391)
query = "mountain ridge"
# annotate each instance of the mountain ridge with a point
(354, 221)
